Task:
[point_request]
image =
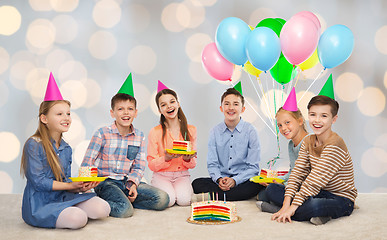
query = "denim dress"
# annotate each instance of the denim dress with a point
(41, 205)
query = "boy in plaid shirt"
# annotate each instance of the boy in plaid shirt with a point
(118, 151)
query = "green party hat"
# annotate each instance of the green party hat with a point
(127, 87)
(238, 87)
(327, 89)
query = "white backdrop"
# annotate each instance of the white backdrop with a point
(91, 46)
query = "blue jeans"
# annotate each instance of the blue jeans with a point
(324, 204)
(116, 194)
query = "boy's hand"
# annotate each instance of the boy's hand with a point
(132, 193)
(226, 183)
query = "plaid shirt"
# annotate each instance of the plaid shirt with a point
(117, 156)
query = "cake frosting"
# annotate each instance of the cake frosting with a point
(269, 173)
(213, 211)
(182, 146)
(88, 172)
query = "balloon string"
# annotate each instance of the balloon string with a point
(256, 112)
(256, 91)
(298, 77)
(266, 102)
(311, 85)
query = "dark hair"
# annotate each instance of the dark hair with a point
(233, 91)
(180, 114)
(324, 100)
(122, 97)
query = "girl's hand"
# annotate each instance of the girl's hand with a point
(89, 185)
(168, 157)
(74, 186)
(188, 157)
(265, 184)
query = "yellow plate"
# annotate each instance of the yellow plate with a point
(259, 179)
(179, 152)
(88, 179)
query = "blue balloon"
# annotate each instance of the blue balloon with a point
(230, 39)
(263, 48)
(335, 46)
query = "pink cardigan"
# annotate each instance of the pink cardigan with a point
(156, 151)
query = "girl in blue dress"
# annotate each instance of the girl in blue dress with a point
(50, 199)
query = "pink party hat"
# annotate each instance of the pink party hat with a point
(52, 91)
(291, 102)
(160, 86)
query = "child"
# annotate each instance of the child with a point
(321, 185)
(170, 171)
(50, 199)
(233, 153)
(291, 125)
(118, 153)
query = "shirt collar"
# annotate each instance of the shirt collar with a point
(114, 129)
(62, 145)
(238, 127)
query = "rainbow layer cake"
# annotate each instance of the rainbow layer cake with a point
(268, 173)
(213, 211)
(185, 146)
(88, 172)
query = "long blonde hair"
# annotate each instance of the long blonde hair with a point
(43, 133)
(296, 115)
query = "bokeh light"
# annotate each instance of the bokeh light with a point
(303, 99)
(66, 29)
(268, 105)
(6, 183)
(372, 128)
(79, 153)
(170, 19)
(72, 70)
(371, 101)
(9, 147)
(102, 45)
(385, 80)
(106, 13)
(56, 59)
(207, 3)
(4, 60)
(153, 105)
(374, 162)
(41, 34)
(348, 86)
(196, 14)
(142, 59)
(40, 5)
(75, 92)
(64, 5)
(142, 95)
(381, 141)
(136, 18)
(198, 73)
(77, 131)
(10, 20)
(36, 82)
(19, 72)
(93, 96)
(250, 114)
(195, 45)
(260, 14)
(381, 39)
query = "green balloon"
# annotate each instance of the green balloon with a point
(271, 23)
(283, 21)
(282, 71)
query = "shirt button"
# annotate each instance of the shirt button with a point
(229, 168)
(230, 157)
(230, 146)
(232, 135)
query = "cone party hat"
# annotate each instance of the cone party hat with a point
(160, 86)
(127, 87)
(327, 89)
(52, 91)
(238, 87)
(291, 102)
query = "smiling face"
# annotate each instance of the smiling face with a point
(321, 120)
(232, 109)
(289, 126)
(57, 119)
(124, 112)
(168, 106)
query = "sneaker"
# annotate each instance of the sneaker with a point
(319, 220)
(259, 205)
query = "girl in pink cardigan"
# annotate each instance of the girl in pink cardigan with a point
(170, 171)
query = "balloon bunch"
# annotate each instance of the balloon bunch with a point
(276, 45)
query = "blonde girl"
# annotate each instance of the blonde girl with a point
(170, 171)
(50, 199)
(291, 125)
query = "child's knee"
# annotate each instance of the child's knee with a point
(163, 200)
(121, 210)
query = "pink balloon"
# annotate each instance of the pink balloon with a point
(215, 64)
(299, 38)
(311, 16)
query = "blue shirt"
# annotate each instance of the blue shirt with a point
(233, 154)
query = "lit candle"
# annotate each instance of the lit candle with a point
(202, 197)
(213, 196)
(224, 197)
(217, 199)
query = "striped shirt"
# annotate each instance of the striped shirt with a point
(327, 167)
(117, 156)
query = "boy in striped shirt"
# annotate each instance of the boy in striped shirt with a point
(321, 185)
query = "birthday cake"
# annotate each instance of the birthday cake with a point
(269, 173)
(213, 211)
(88, 172)
(184, 146)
